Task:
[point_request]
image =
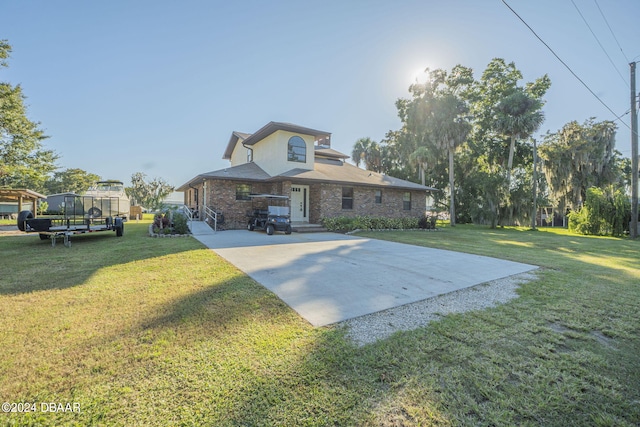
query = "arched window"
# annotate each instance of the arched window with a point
(297, 150)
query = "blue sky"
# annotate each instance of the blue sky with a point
(158, 86)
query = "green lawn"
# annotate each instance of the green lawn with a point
(142, 331)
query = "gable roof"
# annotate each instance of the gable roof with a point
(231, 145)
(266, 130)
(243, 172)
(339, 172)
(326, 170)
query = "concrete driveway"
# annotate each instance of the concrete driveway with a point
(329, 277)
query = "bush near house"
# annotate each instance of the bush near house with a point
(170, 223)
(346, 224)
(180, 224)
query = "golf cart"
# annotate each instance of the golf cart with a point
(270, 213)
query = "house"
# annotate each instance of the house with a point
(291, 160)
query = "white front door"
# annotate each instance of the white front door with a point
(300, 203)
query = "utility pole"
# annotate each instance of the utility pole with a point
(535, 185)
(633, 225)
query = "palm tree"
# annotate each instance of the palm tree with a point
(421, 158)
(369, 152)
(359, 149)
(448, 128)
(518, 116)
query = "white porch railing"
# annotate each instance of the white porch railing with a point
(195, 214)
(210, 213)
(189, 214)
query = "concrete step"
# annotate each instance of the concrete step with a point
(308, 228)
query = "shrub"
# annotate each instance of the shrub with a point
(621, 213)
(346, 224)
(43, 207)
(601, 215)
(427, 222)
(410, 223)
(578, 222)
(180, 225)
(161, 221)
(170, 223)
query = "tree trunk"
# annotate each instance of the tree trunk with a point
(512, 149)
(494, 216)
(452, 207)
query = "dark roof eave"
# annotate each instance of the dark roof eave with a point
(279, 178)
(200, 178)
(187, 185)
(221, 175)
(272, 127)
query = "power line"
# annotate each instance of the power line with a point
(614, 36)
(600, 44)
(565, 64)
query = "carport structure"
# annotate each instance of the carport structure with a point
(20, 195)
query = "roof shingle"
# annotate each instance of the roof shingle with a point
(336, 171)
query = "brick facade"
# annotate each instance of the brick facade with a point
(221, 196)
(329, 202)
(325, 200)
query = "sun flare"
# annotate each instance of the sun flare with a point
(419, 74)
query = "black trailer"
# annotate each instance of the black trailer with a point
(270, 213)
(80, 214)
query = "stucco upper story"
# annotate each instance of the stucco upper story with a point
(277, 147)
(284, 151)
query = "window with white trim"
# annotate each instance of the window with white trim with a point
(297, 150)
